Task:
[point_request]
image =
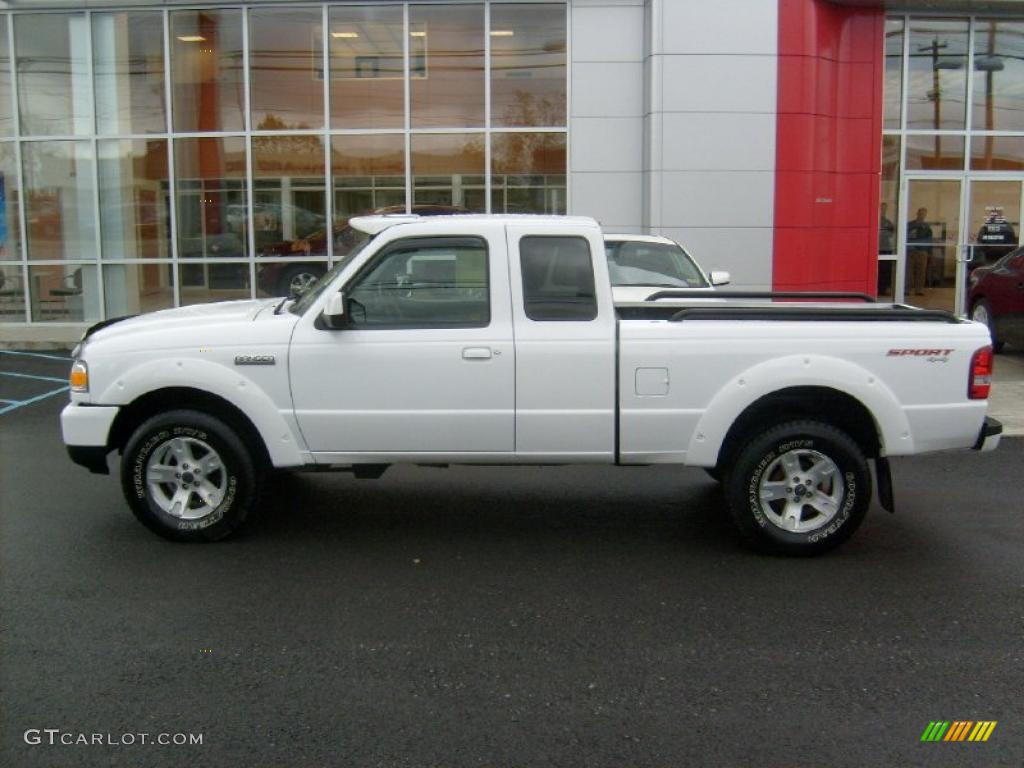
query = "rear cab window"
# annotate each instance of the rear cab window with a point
(558, 278)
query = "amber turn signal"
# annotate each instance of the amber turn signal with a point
(79, 378)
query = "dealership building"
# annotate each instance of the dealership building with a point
(157, 154)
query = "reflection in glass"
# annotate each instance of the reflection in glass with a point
(448, 169)
(10, 226)
(204, 282)
(286, 68)
(12, 293)
(935, 153)
(206, 75)
(134, 211)
(889, 204)
(528, 76)
(447, 87)
(367, 66)
(6, 116)
(528, 173)
(213, 217)
(997, 153)
(998, 74)
(937, 85)
(289, 202)
(283, 278)
(63, 293)
(128, 51)
(368, 174)
(893, 87)
(53, 73)
(993, 224)
(131, 289)
(59, 199)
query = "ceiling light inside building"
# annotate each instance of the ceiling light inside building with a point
(345, 35)
(192, 38)
(502, 33)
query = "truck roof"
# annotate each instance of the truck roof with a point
(374, 224)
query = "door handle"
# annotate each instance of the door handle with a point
(476, 353)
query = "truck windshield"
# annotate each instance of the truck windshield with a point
(635, 262)
(310, 296)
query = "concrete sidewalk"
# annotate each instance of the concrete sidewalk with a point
(1006, 402)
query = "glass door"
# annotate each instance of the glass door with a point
(932, 258)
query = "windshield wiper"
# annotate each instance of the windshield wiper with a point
(277, 309)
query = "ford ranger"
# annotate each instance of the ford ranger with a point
(496, 340)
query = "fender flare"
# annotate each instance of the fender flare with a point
(809, 370)
(283, 443)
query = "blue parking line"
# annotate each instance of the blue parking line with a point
(36, 399)
(35, 354)
(33, 376)
(2, 400)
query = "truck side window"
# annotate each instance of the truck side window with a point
(424, 283)
(558, 278)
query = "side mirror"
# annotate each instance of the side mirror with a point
(720, 277)
(334, 311)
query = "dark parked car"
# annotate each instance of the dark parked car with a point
(282, 278)
(996, 298)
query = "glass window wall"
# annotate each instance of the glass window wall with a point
(528, 76)
(52, 65)
(153, 157)
(129, 73)
(207, 77)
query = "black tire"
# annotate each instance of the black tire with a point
(981, 307)
(236, 481)
(299, 273)
(761, 460)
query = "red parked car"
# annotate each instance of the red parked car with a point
(996, 298)
(284, 278)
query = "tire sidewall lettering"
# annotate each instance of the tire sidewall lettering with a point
(850, 490)
(140, 488)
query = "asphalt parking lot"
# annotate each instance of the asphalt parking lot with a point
(502, 617)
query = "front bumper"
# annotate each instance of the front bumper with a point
(988, 437)
(86, 429)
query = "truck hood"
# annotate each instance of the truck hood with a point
(192, 317)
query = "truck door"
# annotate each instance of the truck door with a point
(565, 344)
(426, 364)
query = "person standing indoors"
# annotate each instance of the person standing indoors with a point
(919, 249)
(886, 233)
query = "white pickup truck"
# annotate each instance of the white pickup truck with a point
(496, 340)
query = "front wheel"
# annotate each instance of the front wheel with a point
(799, 488)
(187, 476)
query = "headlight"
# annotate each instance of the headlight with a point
(79, 378)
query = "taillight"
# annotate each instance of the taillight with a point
(980, 382)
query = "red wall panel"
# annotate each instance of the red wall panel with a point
(828, 146)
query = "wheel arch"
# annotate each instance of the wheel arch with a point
(817, 403)
(183, 382)
(824, 389)
(158, 401)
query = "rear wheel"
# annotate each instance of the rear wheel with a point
(799, 488)
(981, 312)
(188, 476)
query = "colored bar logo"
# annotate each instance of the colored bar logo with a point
(958, 730)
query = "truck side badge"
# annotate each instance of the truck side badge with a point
(255, 360)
